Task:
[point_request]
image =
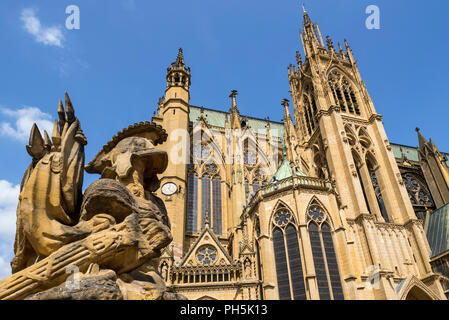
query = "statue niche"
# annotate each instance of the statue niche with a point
(110, 237)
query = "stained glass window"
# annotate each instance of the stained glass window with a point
(419, 195)
(299, 292)
(205, 199)
(318, 259)
(324, 258)
(282, 217)
(216, 196)
(287, 256)
(281, 265)
(377, 191)
(192, 203)
(317, 214)
(206, 255)
(332, 262)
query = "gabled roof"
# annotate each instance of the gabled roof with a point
(437, 231)
(207, 237)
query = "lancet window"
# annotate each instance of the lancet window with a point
(343, 93)
(324, 257)
(287, 257)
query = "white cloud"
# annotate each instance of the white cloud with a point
(8, 204)
(5, 268)
(50, 36)
(24, 120)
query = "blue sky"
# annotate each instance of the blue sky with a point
(114, 66)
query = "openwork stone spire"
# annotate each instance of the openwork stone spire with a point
(180, 58)
(178, 74)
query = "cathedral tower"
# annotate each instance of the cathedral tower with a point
(173, 115)
(342, 138)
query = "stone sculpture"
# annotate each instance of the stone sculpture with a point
(100, 245)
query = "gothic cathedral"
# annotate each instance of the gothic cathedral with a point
(319, 206)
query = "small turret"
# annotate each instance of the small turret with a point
(178, 74)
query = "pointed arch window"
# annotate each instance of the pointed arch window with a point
(324, 258)
(343, 93)
(287, 257)
(419, 194)
(205, 199)
(378, 192)
(216, 198)
(310, 112)
(192, 203)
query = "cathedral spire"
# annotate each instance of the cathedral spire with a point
(178, 74)
(180, 58)
(306, 16)
(309, 35)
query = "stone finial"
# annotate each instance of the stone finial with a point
(341, 49)
(233, 95)
(330, 44)
(298, 58)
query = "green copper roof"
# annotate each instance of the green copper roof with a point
(437, 231)
(285, 171)
(217, 118)
(410, 153)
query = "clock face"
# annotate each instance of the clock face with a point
(169, 188)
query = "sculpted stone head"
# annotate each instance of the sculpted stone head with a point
(132, 159)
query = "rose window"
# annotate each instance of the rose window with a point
(317, 214)
(282, 217)
(206, 255)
